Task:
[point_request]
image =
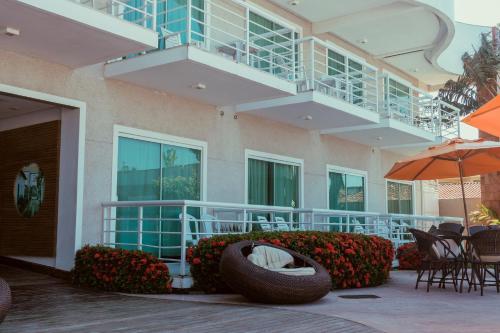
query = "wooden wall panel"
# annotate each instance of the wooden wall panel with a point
(34, 236)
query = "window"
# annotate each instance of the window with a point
(399, 198)
(173, 15)
(347, 70)
(274, 45)
(272, 182)
(399, 97)
(346, 190)
(155, 170)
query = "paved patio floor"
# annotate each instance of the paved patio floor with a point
(44, 304)
(400, 307)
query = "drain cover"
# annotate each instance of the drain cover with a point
(359, 296)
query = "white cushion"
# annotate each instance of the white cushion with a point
(302, 271)
(439, 249)
(275, 258)
(258, 259)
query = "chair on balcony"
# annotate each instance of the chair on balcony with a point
(264, 223)
(198, 229)
(358, 228)
(170, 39)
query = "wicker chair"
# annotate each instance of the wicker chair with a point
(438, 257)
(5, 299)
(265, 286)
(451, 227)
(486, 258)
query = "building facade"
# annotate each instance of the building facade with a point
(273, 103)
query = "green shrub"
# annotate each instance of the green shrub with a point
(120, 270)
(353, 260)
(408, 256)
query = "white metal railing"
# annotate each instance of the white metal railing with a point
(232, 30)
(324, 68)
(168, 228)
(140, 12)
(419, 109)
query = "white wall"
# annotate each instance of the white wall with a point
(111, 102)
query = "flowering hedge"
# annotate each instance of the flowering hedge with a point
(120, 270)
(408, 256)
(353, 260)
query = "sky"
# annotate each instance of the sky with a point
(480, 12)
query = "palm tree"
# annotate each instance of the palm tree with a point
(478, 84)
(480, 80)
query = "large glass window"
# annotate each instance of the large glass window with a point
(154, 171)
(273, 183)
(346, 191)
(172, 14)
(273, 45)
(399, 198)
(399, 96)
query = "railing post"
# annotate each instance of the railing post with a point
(155, 13)
(247, 36)
(189, 20)
(139, 227)
(311, 62)
(183, 240)
(290, 220)
(244, 229)
(348, 224)
(377, 91)
(312, 220)
(439, 118)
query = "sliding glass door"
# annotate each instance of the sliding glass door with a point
(399, 198)
(155, 171)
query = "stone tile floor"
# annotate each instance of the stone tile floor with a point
(45, 304)
(400, 307)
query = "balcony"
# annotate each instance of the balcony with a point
(77, 33)
(409, 117)
(335, 90)
(219, 52)
(168, 228)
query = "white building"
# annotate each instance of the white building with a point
(299, 104)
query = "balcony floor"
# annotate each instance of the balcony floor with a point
(326, 112)
(179, 69)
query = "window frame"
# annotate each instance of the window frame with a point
(347, 171)
(160, 138)
(413, 194)
(282, 159)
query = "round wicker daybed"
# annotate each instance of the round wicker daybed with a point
(265, 286)
(5, 299)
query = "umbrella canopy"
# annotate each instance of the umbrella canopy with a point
(487, 117)
(454, 158)
(439, 162)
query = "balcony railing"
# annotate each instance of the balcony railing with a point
(140, 12)
(321, 67)
(419, 109)
(230, 29)
(168, 228)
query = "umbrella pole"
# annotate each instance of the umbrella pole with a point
(461, 170)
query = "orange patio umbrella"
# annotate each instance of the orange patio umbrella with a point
(457, 158)
(487, 117)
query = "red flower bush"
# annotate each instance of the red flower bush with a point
(408, 256)
(120, 270)
(353, 260)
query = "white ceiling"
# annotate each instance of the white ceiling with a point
(11, 106)
(87, 39)
(396, 31)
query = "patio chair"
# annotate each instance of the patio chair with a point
(477, 228)
(264, 223)
(209, 222)
(453, 227)
(439, 256)
(281, 224)
(5, 299)
(486, 259)
(192, 236)
(358, 228)
(171, 39)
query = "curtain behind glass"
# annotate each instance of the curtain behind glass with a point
(336, 63)
(355, 189)
(258, 182)
(337, 191)
(406, 199)
(138, 178)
